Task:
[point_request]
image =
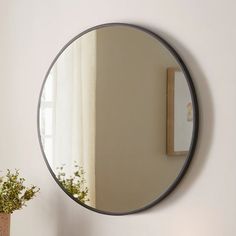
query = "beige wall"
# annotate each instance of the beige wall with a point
(203, 32)
(132, 168)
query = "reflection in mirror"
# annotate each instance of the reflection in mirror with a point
(116, 119)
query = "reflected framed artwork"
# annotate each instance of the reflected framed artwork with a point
(179, 113)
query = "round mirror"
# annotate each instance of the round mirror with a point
(117, 119)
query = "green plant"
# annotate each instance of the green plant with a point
(75, 184)
(13, 193)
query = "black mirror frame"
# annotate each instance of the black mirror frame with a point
(195, 115)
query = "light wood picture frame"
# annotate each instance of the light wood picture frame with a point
(179, 118)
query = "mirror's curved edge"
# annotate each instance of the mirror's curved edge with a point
(195, 132)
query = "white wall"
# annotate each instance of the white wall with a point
(203, 32)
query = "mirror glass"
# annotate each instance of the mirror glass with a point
(117, 119)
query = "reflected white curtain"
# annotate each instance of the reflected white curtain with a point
(74, 109)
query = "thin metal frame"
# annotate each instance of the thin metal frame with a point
(195, 121)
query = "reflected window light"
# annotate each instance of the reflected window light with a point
(46, 118)
(48, 147)
(48, 91)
